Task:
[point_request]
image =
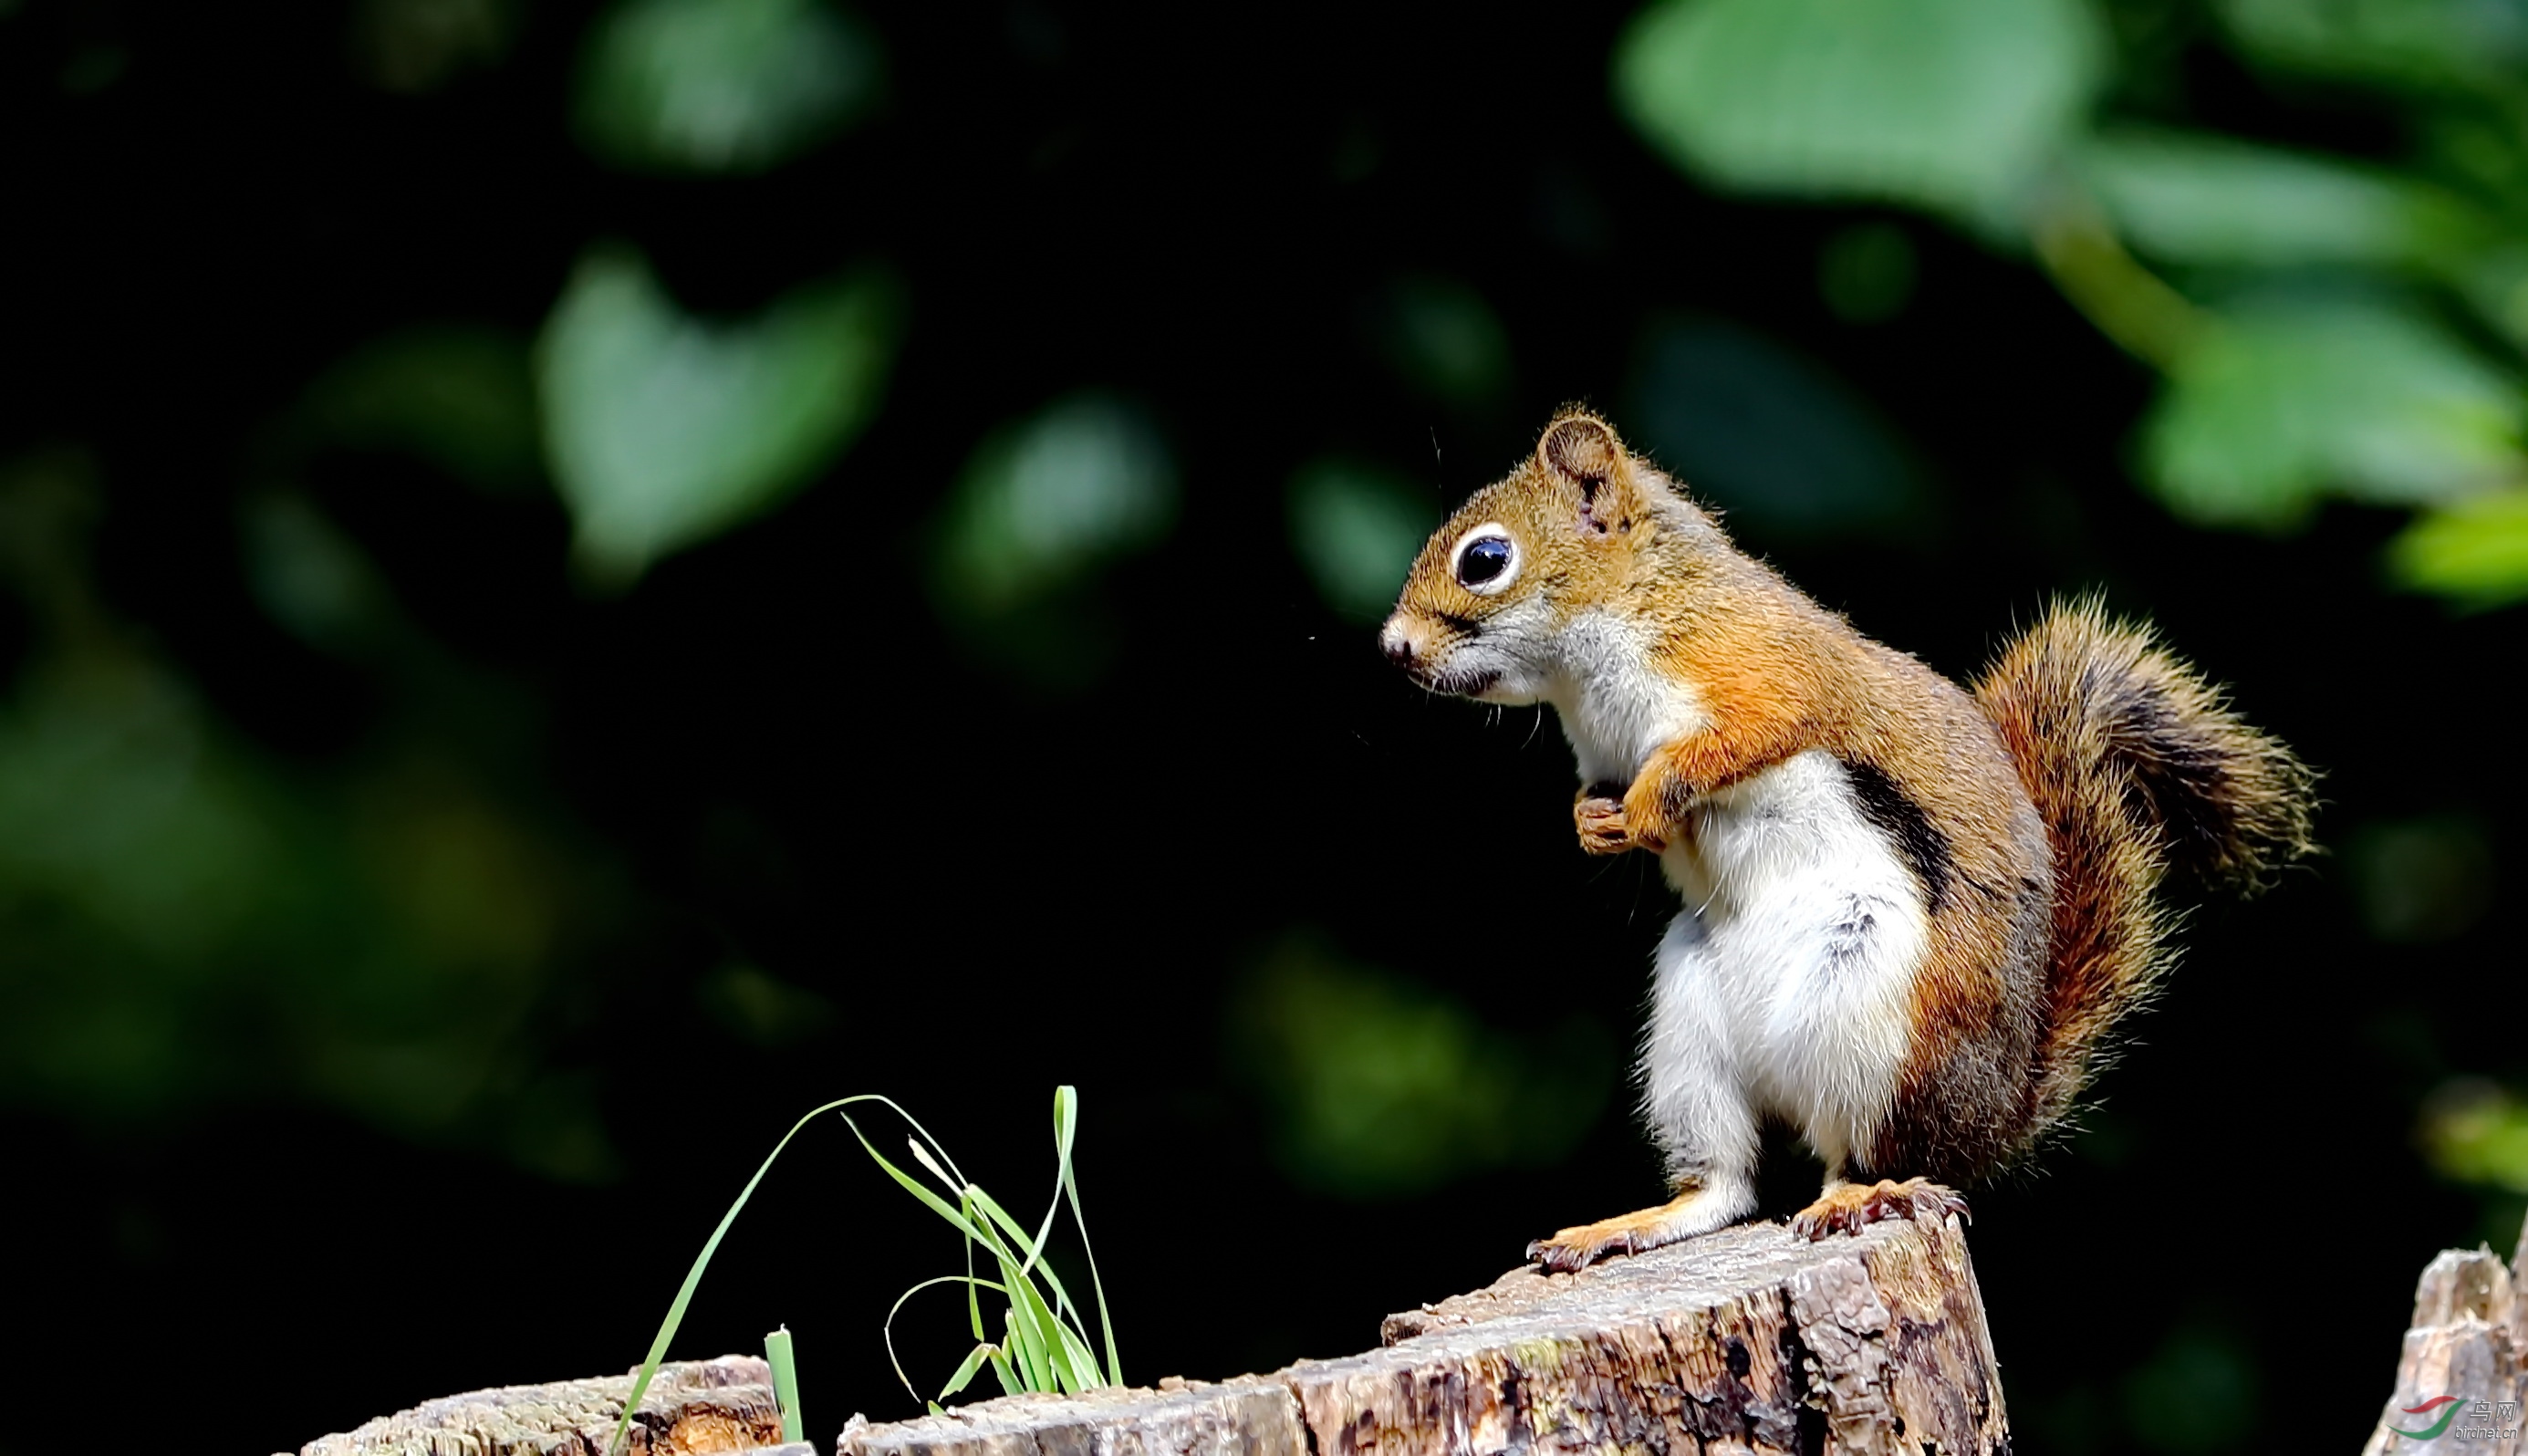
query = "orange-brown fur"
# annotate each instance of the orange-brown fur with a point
(2045, 806)
(2124, 798)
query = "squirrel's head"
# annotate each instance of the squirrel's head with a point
(1486, 609)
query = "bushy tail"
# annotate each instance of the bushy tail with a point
(2135, 764)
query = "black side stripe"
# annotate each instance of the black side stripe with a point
(1894, 813)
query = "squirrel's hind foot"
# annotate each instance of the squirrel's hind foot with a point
(1849, 1208)
(1696, 1211)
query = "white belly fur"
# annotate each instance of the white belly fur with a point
(1787, 979)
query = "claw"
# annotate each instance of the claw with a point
(1572, 1250)
(1849, 1208)
(1571, 1258)
(1600, 823)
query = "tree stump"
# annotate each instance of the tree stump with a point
(709, 1405)
(2469, 1341)
(1748, 1342)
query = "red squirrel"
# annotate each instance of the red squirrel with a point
(1913, 914)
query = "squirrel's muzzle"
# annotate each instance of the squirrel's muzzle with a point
(1399, 650)
(1418, 649)
(1406, 648)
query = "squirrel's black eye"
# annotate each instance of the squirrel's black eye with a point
(1484, 559)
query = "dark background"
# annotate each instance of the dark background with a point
(658, 867)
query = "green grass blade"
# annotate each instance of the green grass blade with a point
(702, 1260)
(1033, 1250)
(1077, 1355)
(1105, 1323)
(1035, 1245)
(1020, 1244)
(1046, 1347)
(954, 1174)
(1035, 1266)
(974, 1297)
(1047, 1332)
(1030, 1341)
(1030, 1266)
(965, 1206)
(785, 1382)
(1029, 1358)
(887, 1331)
(921, 1154)
(1065, 1125)
(1053, 1354)
(974, 1360)
(914, 1187)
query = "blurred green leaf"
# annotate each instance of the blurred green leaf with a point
(1866, 273)
(760, 1008)
(2074, 1423)
(463, 398)
(722, 86)
(117, 809)
(664, 430)
(2419, 881)
(2473, 551)
(557, 1127)
(416, 46)
(373, 939)
(1356, 529)
(2195, 198)
(2196, 1393)
(2495, 284)
(2420, 44)
(308, 575)
(1446, 341)
(1379, 1087)
(2476, 1131)
(377, 951)
(1773, 439)
(2285, 402)
(1952, 105)
(1044, 502)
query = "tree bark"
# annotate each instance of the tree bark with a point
(1747, 1342)
(2469, 1340)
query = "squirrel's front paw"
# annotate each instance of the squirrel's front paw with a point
(1653, 805)
(1602, 825)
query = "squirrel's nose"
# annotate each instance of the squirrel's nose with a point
(1399, 649)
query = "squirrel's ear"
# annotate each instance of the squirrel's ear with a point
(1581, 453)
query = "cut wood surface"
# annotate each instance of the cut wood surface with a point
(2469, 1340)
(1748, 1342)
(707, 1405)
